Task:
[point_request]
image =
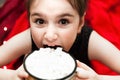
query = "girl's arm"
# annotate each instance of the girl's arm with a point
(15, 47)
(102, 50)
(12, 49)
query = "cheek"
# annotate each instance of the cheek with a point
(68, 39)
(37, 37)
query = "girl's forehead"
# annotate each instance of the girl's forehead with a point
(51, 5)
(57, 2)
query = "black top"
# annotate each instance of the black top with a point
(79, 50)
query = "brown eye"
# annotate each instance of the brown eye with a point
(40, 21)
(64, 21)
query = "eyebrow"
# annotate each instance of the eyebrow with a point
(66, 14)
(36, 14)
(62, 15)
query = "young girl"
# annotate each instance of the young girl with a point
(60, 23)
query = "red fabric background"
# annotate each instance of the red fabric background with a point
(104, 17)
(9, 13)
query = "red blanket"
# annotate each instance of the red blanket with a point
(104, 17)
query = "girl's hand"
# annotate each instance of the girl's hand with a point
(84, 72)
(7, 74)
(21, 74)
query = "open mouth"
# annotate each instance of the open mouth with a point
(53, 47)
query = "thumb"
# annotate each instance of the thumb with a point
(84, 71)
(81, 73)
(22, 74)
(84, 66)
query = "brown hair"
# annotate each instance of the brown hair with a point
(79, 5)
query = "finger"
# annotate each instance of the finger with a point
(75, 78)
(21, 72)
(84, 66)
(20, 68)
(81, 73)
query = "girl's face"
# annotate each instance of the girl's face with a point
(54, 23)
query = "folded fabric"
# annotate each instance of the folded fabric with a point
(104, 17)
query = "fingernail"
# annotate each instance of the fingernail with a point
(79, 70)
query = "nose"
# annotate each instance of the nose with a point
(51, 34)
